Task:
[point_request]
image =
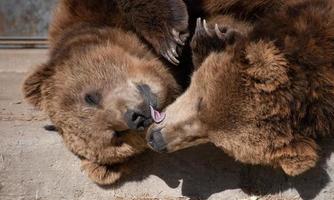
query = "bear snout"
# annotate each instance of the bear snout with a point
(137, 120)
(139, 117)
(156, 141)
(150, 99)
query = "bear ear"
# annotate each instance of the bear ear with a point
(32, 86)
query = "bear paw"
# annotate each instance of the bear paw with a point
(164, 24)
(174, 33)
(298, 157)
(102, 174)
(208, 39)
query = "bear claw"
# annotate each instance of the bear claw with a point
(218, 32)
(167, 54)
(172, 57)
(172, 48)
(222, 33)
(177, 37)
(209, 39)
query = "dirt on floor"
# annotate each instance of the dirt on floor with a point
(34, 164)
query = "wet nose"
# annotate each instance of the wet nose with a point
(137, 120)
(156, 141)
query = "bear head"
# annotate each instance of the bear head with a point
(97, 89)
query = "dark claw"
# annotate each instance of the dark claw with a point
(184, 37)
(218, 32)
(222, 33)
(174, 52)
(206, 28)
(172, 57)
(203, 26)
(172, 47)
(177, 38)
(166, 56)
(199, 26)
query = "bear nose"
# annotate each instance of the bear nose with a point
(157, 142)
(137, 120)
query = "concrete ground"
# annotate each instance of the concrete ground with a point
(34, 164)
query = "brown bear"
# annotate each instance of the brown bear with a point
(102, 77)
(263, 93)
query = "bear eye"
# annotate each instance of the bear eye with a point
(93, 99)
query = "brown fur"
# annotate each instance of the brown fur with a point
(94, 50)
(265, 98)
(153, 21)
(241, 9)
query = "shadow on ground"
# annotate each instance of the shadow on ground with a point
(206, 170)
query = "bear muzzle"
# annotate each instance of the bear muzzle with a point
(156, 141)
(140, 118)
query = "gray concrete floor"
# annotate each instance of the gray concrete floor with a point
(34, 164)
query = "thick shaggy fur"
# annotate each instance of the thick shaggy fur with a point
(153, 21)
(262, 92)
(96, 49)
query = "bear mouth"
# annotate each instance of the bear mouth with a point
(145, 114)
(157, 116)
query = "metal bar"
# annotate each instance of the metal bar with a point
(23, 43)
(24, 47)
(10, 38)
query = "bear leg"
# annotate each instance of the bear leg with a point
(163, 23)
(299, 156)
(103, 174)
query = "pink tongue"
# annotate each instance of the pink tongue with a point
(157, 116)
